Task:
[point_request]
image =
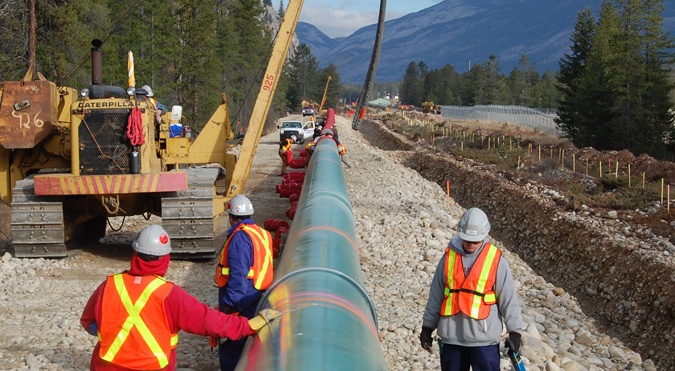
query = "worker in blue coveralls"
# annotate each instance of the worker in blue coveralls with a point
(243, 273)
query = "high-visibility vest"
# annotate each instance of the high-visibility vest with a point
(474, 294)
(261, 272)
(134, 331)
(287, 145)
(341, 149)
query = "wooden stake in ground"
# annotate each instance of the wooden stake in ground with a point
(600, 169)
(628, 175)
(586, 165)
(643, 180)
(574, 162)
(539, 153)
(662, 182)
(616, 171)
(518, 166)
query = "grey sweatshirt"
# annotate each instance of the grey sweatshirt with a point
(461, 329)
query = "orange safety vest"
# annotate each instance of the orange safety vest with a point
(473, 295)
(262, 272)
(134, 330)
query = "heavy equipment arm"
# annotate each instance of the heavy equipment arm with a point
(325, 92)
(262, 104)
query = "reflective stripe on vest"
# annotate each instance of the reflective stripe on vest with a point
(472, 295)
(150, 345)
(261, 272)
(287, 146)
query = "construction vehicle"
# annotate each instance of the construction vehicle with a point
(69, 160)
(430, 107)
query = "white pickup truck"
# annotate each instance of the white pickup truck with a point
(297, 128)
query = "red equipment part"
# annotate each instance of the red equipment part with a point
(295, 175)
(272, 224)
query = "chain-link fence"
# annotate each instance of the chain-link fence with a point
(541, 120)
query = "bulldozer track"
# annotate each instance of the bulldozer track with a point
(188, 216)
(37, 225)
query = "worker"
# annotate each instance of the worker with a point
(328, 133)
(285, 152)
(243, 273)
(137, 314)
(471, 296)
(160, 109)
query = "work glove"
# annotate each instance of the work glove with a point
(513, 342)
(425, 338)
(263, 318)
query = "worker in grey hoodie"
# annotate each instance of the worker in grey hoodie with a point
(472, 296)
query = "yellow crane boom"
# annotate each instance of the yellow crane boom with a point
(264, 100)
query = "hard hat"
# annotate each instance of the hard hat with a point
(240, 205)
(153, 240)
(474, 225)
(326, 132)
(294, 138)
(148, 89)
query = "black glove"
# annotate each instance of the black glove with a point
(514, 340)
(425, 338)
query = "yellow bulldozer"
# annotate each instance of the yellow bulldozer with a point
(430, 107)
(69, 160)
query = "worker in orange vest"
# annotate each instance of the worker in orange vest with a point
(328, 133)
(243, 273)
(472, 296)
(285, 152)
(137, 314)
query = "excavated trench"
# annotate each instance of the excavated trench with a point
(620, 281)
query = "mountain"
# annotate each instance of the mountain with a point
(318, 41)
(459, 32)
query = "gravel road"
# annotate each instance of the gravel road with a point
(404, 223)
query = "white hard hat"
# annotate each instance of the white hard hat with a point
(294, 138)
(153, 240)
(240, 205)
(148, 89)
(474, 225)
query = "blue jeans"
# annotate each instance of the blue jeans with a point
(229, 353)
(459, 358)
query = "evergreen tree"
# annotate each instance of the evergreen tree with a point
(244, 47)
(570, 119)
(303, 73)
(411, 85)
(282, 10)
(334, 93)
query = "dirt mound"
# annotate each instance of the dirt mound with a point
(612, 265)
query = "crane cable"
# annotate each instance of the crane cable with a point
(135, 127)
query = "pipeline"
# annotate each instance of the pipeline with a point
(328, 320)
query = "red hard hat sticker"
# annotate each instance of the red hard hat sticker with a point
(163, 238)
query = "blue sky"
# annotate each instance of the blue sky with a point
(338, 18)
